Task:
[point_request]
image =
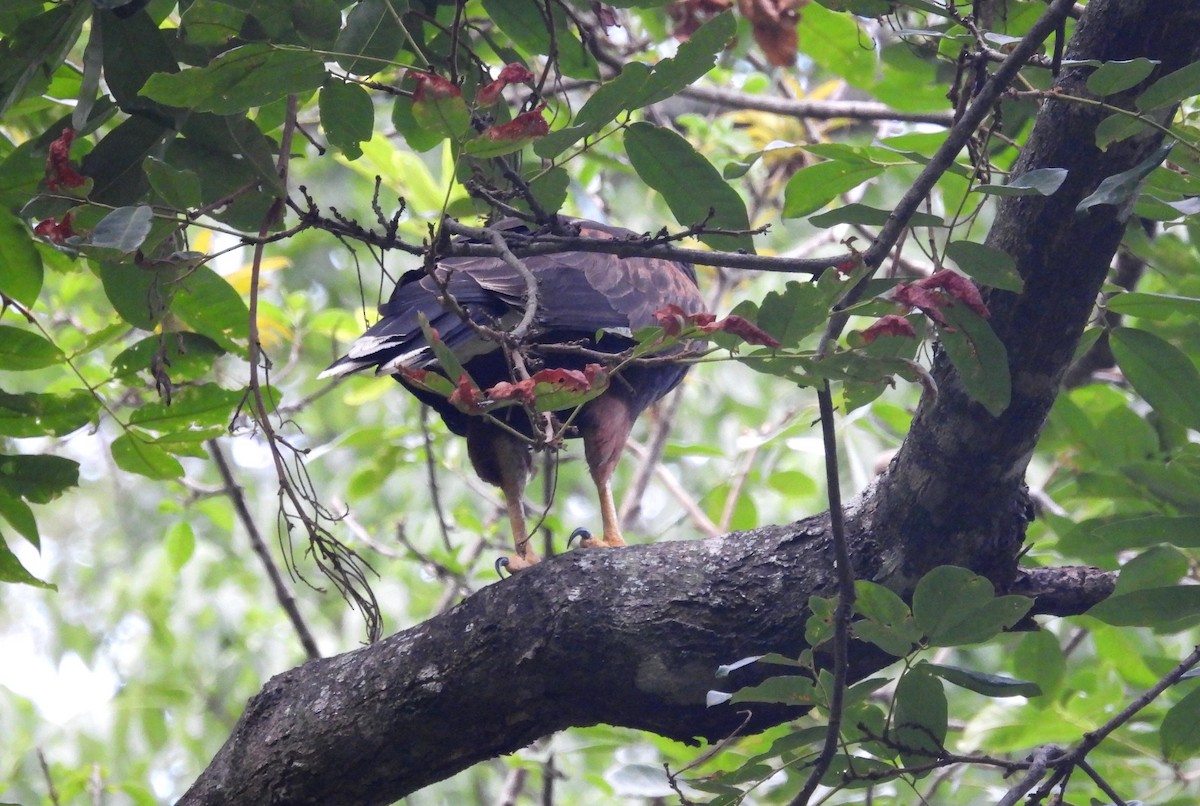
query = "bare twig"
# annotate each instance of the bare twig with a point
(846, 596)
(1066, 763)
(819, 110)
(51, 791)
(1039, 761)
(672, 485)
(282, 595)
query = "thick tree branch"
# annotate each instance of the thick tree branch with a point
(633, 637)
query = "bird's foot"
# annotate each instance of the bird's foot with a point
(516, 562)
(589, 541)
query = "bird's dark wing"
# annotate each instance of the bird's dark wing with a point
(579, 293)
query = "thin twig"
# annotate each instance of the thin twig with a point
(435, 494)
(1064, 764)
(845, 605)
(51, 791)
(1038, 760)
(672, 485)
(282, 595)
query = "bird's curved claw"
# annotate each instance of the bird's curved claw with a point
(516, 562)
(586, 539)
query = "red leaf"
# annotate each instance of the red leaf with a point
(890, 325)
(924, 300)
(958, 287)
(691, 14)
(59, 173)
(522, 390)
(465, 396)
(671, 319)
(511, 74)
(746, 330)
(572, 380)
(774, 24)
(54, 231)
(524, 126)
(434, 87)
(414, 374)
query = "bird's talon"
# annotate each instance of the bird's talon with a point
(502, 563)
(585, 538)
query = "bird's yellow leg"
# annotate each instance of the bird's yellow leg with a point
(611, 538)
(513, 474)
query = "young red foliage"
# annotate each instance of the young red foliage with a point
(890, 325)
(524, 126)
(55, 231)
(511, 74)
(433, 87)
(59, 173)
(465, 396)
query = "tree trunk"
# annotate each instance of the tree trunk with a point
(633, 637)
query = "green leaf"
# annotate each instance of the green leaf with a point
(1171, 88)
(134, 453)
(23, 350)
(525, 23)
(239, 79)
(347, 116)
(210, 306)
(1038, 657)
(813, 187)
(1118, 76)
(36, 49)
(979, 356)
(20, 516)
(1118, 190)
(1038, 182)
(1118, 126)
(788, 690)
(182, 356)
(39, 479)
(11, 569)
(1182, 531)
(445, 114)
(22, 276)
(1154, 306)
(372, 37)
(549, 187)
(689, 183)
(793, 314)
(1180, 729)
(124, 229)
(178, 188)
(44, 415)
(888, 623)
(989, 685)
(919, 716)
(953, 606)
(192, 407)
(180, 544)
(140, 296)
(1159, 372)
(115, 164)
(1150, 607)
(694, 58)
(986, 264)
(603, 106)
(871, 217)
(1157, 567)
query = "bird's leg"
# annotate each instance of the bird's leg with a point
(611, 536)
(502, 459)
(605, 428)
(513, 486)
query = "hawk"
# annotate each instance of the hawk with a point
(590, 301)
